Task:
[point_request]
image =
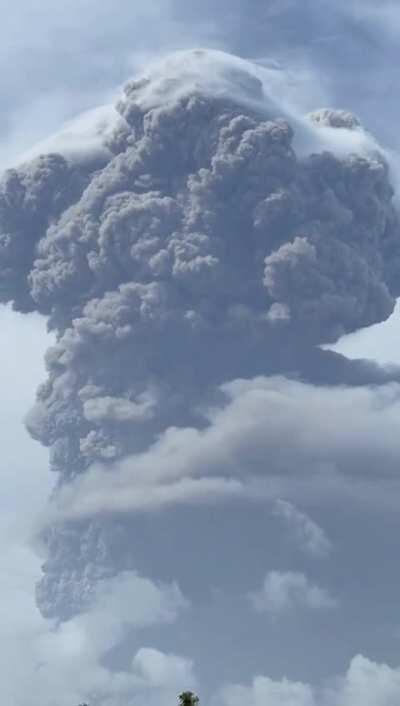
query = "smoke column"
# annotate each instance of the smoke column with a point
(195, 247)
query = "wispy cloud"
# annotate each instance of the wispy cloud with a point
(287, 591)
(308, 534)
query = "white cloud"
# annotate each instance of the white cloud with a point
(42, 663)
(266, 692)
(289, 590)
(379, 342)
(157, 669)
(46, 664)
(78, 139)
(308, 534)
(366, 683)
(71, 656)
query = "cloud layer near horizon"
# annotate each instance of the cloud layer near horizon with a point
(365, 684)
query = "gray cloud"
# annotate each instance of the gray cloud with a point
(30, 197)
(193, 252)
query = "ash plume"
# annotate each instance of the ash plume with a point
(200, 250)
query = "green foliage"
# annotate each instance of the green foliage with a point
(188, 698)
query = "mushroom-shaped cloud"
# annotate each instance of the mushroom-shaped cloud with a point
(185, 259)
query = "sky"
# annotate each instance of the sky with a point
(254, 545)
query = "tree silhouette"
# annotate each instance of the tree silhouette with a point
(188, 698)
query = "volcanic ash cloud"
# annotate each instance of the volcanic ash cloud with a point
(184, 256)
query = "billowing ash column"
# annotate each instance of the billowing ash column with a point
(200, 248)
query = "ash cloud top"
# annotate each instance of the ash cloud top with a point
(194, 249)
